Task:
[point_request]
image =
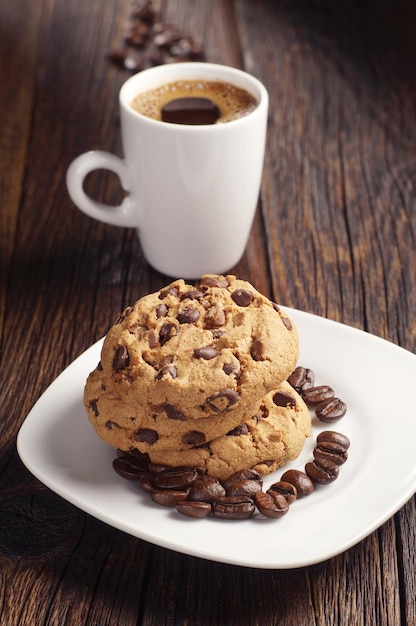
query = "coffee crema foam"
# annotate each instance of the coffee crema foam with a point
(232, 102)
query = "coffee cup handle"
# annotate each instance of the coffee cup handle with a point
(125, 214)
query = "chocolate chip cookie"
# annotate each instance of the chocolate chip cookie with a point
(274, 435)
(203, 351)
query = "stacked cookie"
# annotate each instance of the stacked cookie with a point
(197, 376)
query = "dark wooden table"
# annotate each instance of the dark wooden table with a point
(334, 234)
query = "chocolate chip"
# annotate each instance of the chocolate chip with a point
(286, 321)
(214, 281)
(161, 310)
(190, 110)
(193, 294)
(167, 370)
(285, 399)
(229, 368)
(241, 429)
(215, 317)
(173, 413)
(257, 350)
(193, 438)
(112, 425)
(94, 407)
(121, 358)
(223, 400)
(207, 353)
(170, 291)
(242, 297)
(167, 331)
(153, 338)
(146, 435)
(188, 315)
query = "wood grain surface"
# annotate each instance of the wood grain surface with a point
(334, 234)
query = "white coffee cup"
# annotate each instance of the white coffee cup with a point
(192, 189)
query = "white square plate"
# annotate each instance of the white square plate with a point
(374, 377)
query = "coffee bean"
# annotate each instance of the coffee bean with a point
(193, 509)
(315, 395)
(284, 399)
(126, 469)
(271, 504)
(322, 475)
(168, 497)
(285, 489)
(121, 358)
(245, 474)
(206, 489)
(332, 451)
(330, 410)
(300, 480)
(223, 400)
(233, 507)
(242, 297)
(301, 379)
(207, 353)
(176, 478)
(188, 316)
(333, 437)
(146, 483)
(146, 435)
(244, 488)
(193, 438)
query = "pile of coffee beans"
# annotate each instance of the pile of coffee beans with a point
(148, 42)
(240, 496)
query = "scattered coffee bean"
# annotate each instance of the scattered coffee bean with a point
(206, 489)
(233, 507)
(315, 395)
(330, 410)
(332, 451)
(285, 489)
(244, 488)
(169, 497)
(176, 478)
(302, 482)
(331, 436)
(271, 504)
(322, 475)
(301, 379)
(193, 508)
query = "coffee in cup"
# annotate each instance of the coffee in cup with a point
(192, 189)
